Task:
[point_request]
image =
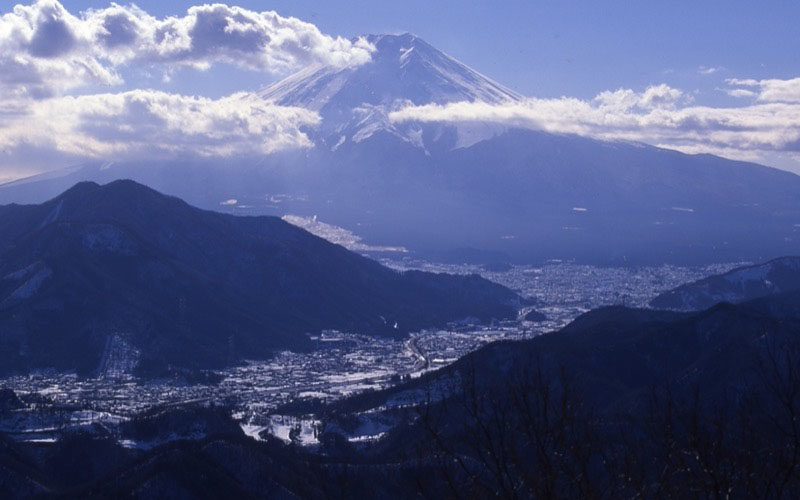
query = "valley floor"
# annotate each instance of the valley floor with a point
(344, 363)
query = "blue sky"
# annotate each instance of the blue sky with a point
(575, 48)
(131, 82)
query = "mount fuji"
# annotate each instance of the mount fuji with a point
(404, 67)
(436, 187)
(354, 102)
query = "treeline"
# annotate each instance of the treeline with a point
(536, 437)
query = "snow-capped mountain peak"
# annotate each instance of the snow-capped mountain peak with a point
(404, 70)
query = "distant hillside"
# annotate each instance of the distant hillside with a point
(737, 285)
(437, 187)
(616, 356)
(122, 268)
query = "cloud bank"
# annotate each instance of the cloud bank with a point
(774, 90)
(64, 99)
(58, 68)
(766, 126)
(157, 124)
(45, 49)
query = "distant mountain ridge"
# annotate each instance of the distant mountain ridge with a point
(435, 187)
(181, 286)
(737, 285)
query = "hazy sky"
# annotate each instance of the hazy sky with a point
(127, 81)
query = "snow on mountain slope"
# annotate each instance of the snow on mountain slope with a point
(738, 285)
(354, 102)
(404, 67)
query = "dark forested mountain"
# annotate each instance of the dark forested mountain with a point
(122, 266)
(436, 187)
(622, 403)
(737, 285)
(616, 356)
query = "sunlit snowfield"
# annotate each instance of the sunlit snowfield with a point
(344, 362)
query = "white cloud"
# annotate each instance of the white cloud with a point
(773, 90)
(262, 41)
(659, 115)
(153, 124)
(708, 70)
(41, 52)
(656, 96)
(45, 49)
(48, 52)
(740, 92)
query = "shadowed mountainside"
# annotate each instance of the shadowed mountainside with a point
(737, 285)
(194, 288)
(621, 403)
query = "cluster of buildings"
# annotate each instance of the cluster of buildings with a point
(343, 363)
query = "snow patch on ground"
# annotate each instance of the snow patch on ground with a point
(292, 429)
(119, 358)
(20, 274)
(53, 215)
(30, 287)
(404, 54)
(253, 431)
(414, 136)
(470, 134)
(366, 438)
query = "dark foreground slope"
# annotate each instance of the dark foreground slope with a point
(737, 285)
(621, 404)
(193, 288)
(221, 466)
(615, 356)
